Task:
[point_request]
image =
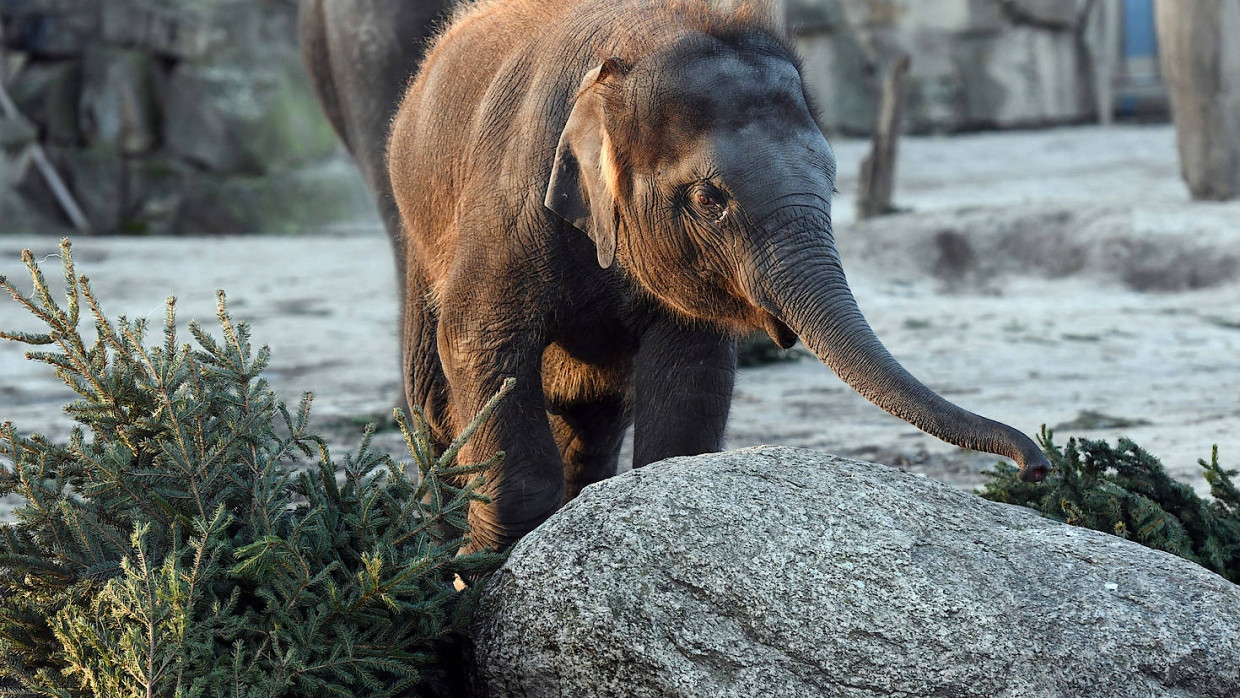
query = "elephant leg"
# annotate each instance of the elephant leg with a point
(684, 379)
(479, 351)
(425, 385)
(316, 53)
(588, 411)
(589, 435)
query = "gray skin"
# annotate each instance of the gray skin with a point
(602, 228)
(360, 55)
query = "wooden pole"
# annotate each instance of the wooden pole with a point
(1103, 50)
(878, 170)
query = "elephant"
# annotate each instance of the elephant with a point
(596, 199)
(359, 55)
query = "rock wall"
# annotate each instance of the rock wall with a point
(975, 63)
(185, 116)
(1201, 59)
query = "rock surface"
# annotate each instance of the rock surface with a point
(180, 116)
(784, 572)
(976, 63)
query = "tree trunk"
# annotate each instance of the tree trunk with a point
(1199, 49)
(878, 170)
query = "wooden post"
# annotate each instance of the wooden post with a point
(1199, 50)
(878, 170)
(1103, 49)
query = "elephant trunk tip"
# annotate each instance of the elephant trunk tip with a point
(1034, 466)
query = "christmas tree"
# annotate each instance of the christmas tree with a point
(194, 537)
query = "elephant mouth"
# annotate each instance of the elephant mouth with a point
(780, 333)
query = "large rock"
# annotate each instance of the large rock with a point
(282, 202)
(48, 94)
(18, 216)
(174, 29)
(98, 177)
(49, 28)
(118, 105)
(254, 111)
(976, 63)
(16, 132)
(784, 572)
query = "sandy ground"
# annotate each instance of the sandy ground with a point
(1038, 277)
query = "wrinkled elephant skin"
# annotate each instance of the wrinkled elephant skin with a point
(595, 199)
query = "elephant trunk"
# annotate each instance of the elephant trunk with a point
(811, 296)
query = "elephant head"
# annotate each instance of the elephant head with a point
(706, 156)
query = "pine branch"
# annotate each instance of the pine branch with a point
(1125, 491)
(159, 551)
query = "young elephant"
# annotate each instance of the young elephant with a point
(596, 198)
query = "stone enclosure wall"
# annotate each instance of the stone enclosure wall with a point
(186, 116)
(975, 63)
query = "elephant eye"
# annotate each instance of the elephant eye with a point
(706, 200)
(710, 202)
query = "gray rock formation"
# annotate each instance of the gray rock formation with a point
(784, 572)
(180, 116)
(976, 63)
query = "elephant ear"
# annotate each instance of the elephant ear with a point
(583, 179)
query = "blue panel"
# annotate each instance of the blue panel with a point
(1139, 28)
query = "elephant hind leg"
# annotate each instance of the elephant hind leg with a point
(425, 384)
(316, 53)
(589, 436)
(588, 408)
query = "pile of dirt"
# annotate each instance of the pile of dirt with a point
(1166, 247)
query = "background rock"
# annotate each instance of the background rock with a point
(117, 106)
(48, 93)
(163, 116)
(784, 572)
(16, 132)
(975, 63)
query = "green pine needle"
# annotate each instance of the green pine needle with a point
(195, 538)
(1125, 491)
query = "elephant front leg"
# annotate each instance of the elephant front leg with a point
(528, 485)
(684, 380)
(588, 410)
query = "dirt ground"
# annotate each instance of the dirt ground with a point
(1055, 277)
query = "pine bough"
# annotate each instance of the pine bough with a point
(195, 538)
